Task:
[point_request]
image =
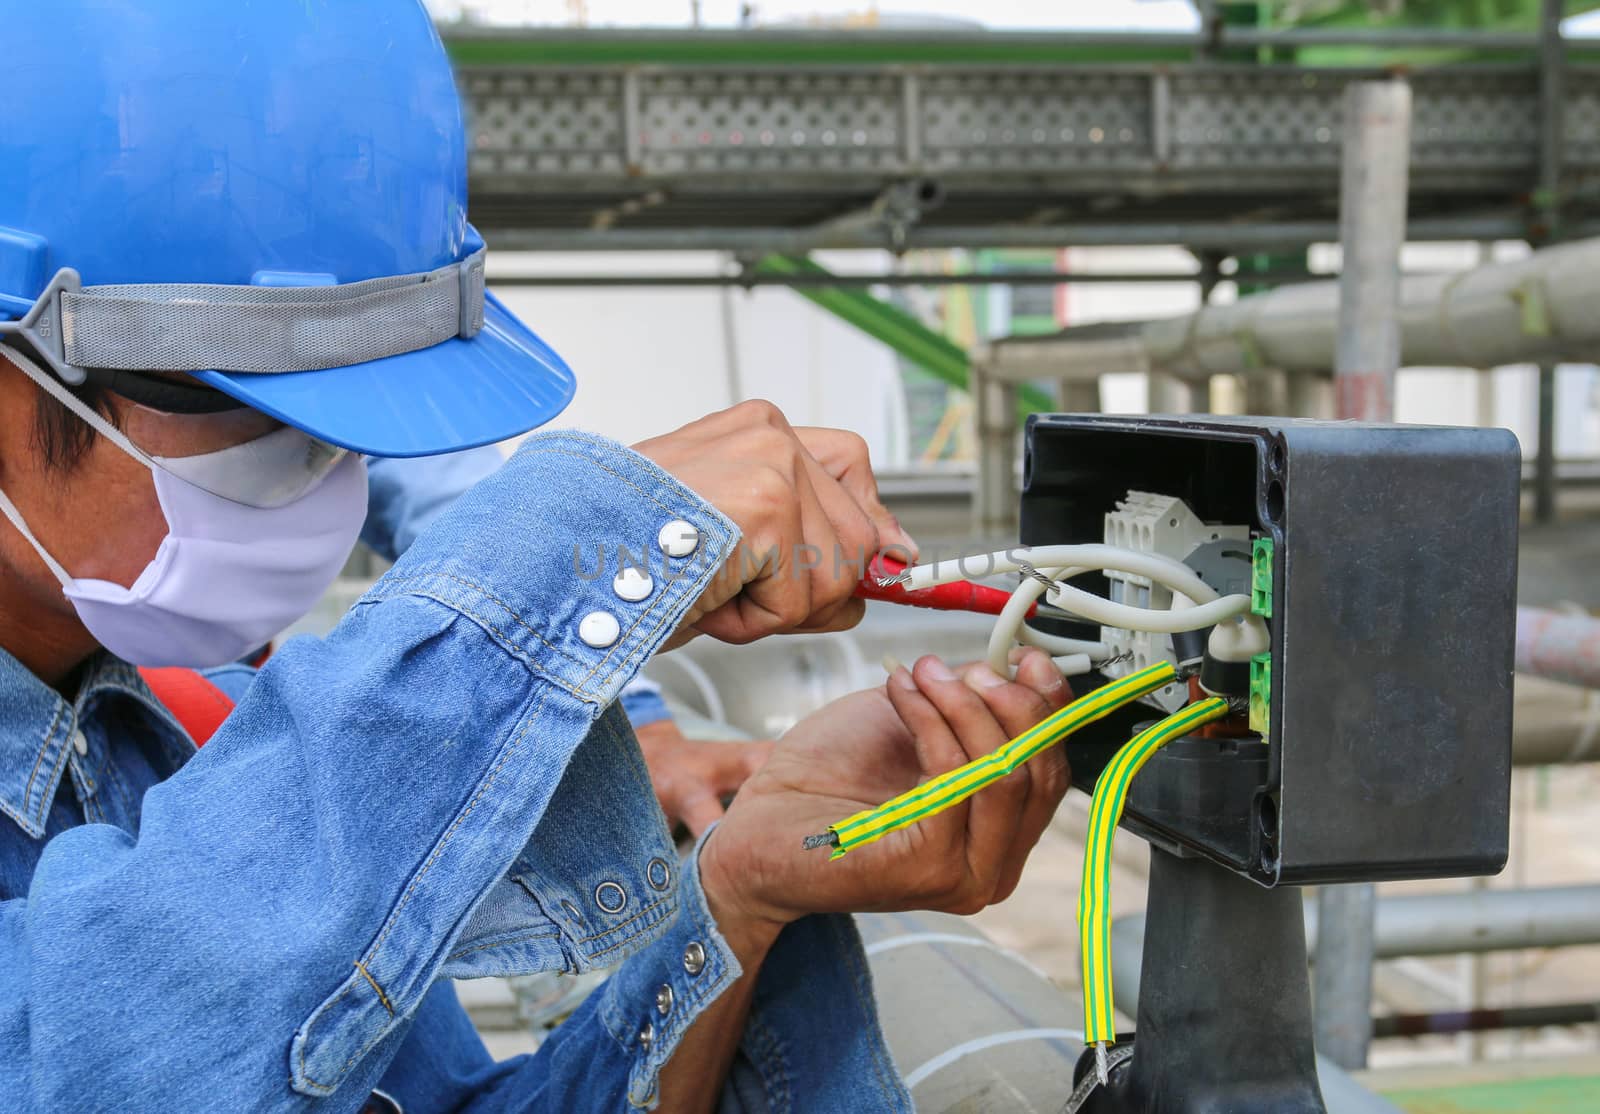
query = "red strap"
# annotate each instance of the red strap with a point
(197, 704)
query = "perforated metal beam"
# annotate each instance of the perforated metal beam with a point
(621, 149)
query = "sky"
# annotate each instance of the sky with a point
(1146, 15)
(1094, 15)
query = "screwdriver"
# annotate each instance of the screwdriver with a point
(960, 595)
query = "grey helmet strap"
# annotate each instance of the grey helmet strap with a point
(43, 328)
(255, 329)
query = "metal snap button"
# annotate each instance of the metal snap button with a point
(694, 959)
(633, 584)
(664, 1000)
(572, 910)
(80, 743)
(610, 897)
(658, 874)
(599, 629)
(678, 538)
(647, 1035)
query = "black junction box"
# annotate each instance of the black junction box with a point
(1393, 612)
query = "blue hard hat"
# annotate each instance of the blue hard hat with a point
(260, 144)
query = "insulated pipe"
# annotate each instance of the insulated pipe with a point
(1536, 309)
(1554, 723)
(1558, 646)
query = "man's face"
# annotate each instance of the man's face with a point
(99, 517)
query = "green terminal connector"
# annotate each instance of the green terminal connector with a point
(1261, 695)
(1261, 577)
(1261, 664)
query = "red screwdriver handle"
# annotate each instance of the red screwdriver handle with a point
(960, 595)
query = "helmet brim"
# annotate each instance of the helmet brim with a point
(455, 395)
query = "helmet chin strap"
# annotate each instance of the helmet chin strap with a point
(57, 390)
(14, 516)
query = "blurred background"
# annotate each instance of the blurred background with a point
(923, 219)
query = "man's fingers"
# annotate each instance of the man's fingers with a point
(844, 455)
(1048, 781)
(1037, 672)
(773, 594)
(938, 750)
(995, 812)
(698, 810)
(1016, 705)
(732, 763)
(1047, 773)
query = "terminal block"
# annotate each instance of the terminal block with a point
(1165, 525)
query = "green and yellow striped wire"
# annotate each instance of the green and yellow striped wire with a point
(1094, 898)
(951, 789)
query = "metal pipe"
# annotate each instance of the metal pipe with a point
(1226, 236)
(983, 278)
(1477, 921)
(1552, 104)
(1544, 472)
(1467, 921)
(1481, 1020)
(1552, 115)
(995, 508)
(1558, 646)
(1372, 225)
(1375, 170)
(1343, 973)
(877, 40)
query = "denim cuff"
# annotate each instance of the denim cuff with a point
(537, 554)
(653, 998)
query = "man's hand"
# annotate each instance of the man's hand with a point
(807, 506)
(692, 777)
(857, 753)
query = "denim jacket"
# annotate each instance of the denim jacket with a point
(407, 494)
(443, 787)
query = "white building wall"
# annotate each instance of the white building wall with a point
(651, 359)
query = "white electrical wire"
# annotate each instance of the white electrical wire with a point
(1163, 570)
(1011, 622)
(1111, 614)
(1073, 665)
(1010, 627)
(1055, 644)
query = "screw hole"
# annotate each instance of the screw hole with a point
(1275, 501)
(1277, 457)
(1267, 816)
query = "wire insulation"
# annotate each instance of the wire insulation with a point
(950, 789)
(1167, 571)
(1094, 896)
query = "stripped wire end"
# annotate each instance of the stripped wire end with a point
(1102, 1064)
(1028, 570)
(822, 839)
(893, 581)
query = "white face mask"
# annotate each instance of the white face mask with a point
(228, 576)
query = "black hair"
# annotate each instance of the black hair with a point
(61, 437)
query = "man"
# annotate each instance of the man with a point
(233, 256)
